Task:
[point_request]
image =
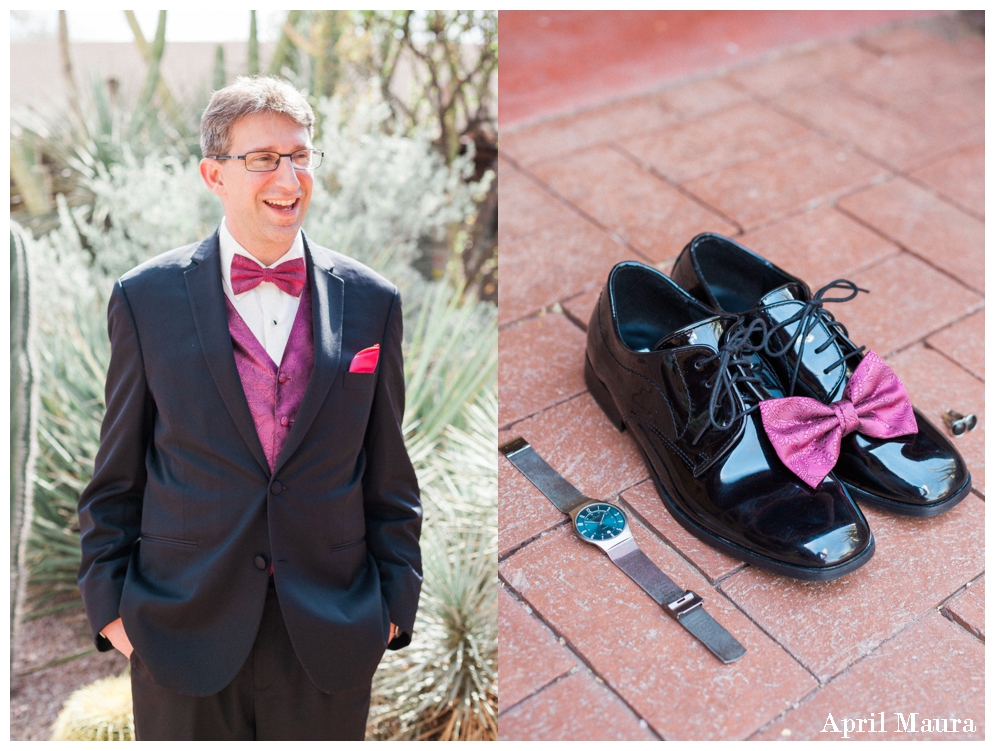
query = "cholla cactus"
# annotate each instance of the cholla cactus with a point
(101, 711)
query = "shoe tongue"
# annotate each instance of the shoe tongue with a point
(706, 333)
(789, 291)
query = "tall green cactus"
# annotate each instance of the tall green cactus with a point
(219, 68)
(253, 45)
(285, 54)
(23, 419)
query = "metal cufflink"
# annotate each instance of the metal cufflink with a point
(959, 424)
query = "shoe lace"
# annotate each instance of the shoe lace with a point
(811, 314)
(735, 367)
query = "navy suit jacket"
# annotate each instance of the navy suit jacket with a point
(183, 517)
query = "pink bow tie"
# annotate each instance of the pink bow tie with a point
(806, 433)
(246, 274)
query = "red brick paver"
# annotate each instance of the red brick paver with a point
(581, 307)
(819, 246)
(830, 625)
(642, 209)
(964, 343)
(917, 73)
(934, 668)
(525, 513)
(926, 225)
(526, 208)
(714, 141)
(595, 712)
(553, 264)
(551, 140)
(957, 113)
(771, 186)
(538, 367)
(533, 656)
(701, 97)
(642, 653)
(960, 177)
(968, 608)
(901, 39)
(907, 300)
(793, 71)
(581, 443)
(860, 159)
(867, 126)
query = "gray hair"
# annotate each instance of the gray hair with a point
(247, 96)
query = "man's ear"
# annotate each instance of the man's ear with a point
(210, 172)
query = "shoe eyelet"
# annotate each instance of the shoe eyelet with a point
(698, 365)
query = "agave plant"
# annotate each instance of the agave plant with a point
(72, 362)
(450, 358)
(443, 686)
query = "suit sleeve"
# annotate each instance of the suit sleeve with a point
(110, 508)
(392, 504)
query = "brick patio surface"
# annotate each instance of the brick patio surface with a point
(860, 159)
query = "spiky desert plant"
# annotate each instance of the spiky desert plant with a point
(101, 711)
(73, 361)
(450, 359)
(443, 686)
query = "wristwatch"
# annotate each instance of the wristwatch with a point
(606, 525)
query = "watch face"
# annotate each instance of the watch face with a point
(600, 521)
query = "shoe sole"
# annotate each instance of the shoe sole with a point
(910, 509)
(604, 400)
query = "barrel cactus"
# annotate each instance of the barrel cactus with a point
(101, 711)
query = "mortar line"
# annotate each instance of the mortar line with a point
(907, 249)
(513, 423)
(851, 666)
(552, 192)
(621, 151)
(581, 657)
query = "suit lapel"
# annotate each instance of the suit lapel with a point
(207, 301)
(327, 299)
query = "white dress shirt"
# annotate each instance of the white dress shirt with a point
(267, 310)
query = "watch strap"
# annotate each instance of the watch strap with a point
(682, 605)
(551, 484)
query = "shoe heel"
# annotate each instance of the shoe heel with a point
(601, 395)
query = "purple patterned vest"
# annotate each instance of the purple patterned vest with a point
(274, 393)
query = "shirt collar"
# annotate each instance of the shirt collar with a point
(230, 246)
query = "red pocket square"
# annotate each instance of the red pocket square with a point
(365, 361)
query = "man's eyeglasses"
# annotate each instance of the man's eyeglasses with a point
(267, 161)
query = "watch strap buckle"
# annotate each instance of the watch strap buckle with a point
(683, 604)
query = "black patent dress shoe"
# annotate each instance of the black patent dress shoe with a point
(813, 355)
(686, 383)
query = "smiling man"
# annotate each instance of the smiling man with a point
(250, 534)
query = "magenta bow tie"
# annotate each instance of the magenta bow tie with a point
(246, 274)
(806, 433)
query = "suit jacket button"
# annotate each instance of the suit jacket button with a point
(276, 487)
(260, 562)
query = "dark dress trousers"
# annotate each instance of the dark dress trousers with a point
(183, 517)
